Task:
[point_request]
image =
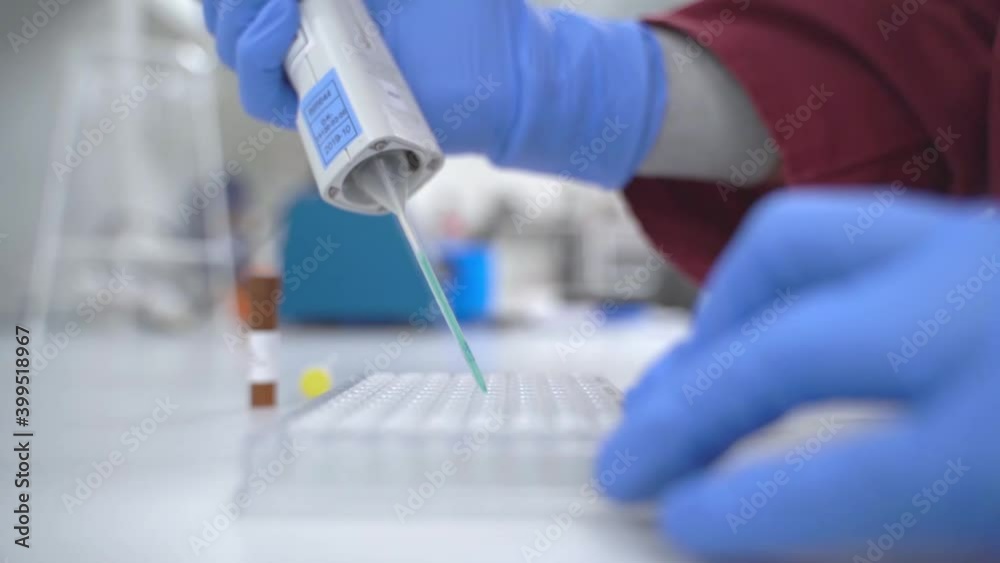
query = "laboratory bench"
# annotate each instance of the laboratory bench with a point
(141, 443)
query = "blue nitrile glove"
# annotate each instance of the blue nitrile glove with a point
(821, 297)
(544, 90)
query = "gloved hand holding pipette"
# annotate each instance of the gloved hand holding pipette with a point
(367, 145)
(527, 87)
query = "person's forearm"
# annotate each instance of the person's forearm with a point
(710, 123)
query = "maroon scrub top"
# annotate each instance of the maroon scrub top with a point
(902, 93)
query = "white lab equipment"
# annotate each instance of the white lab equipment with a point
(524, 447)
(136, 190)
(356, 106)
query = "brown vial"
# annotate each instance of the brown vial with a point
(264, 292)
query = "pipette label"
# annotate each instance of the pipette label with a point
(330, 117)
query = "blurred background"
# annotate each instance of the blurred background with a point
(469, 201)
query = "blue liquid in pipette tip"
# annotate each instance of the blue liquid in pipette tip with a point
(442, 302)
(383, 190)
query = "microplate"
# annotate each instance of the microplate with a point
(369, 446)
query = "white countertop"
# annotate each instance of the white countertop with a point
(147, 509)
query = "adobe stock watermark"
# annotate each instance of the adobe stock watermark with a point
(626, 289)
(588, 153)
(959, 298)
(380, 21)
(87, 311)
(121, 108)
(913, 169)
(562, 522)
(225, 7)
(248, 150)
(255, 485)
(581, 160)
(462, 451)
(542, 200)
(32, 25)
(461, 111)
(711, 31)
(922, 503)
(420, 320)
(795, 460)
(131, 440)
(901, 14)
(593, 320)
(752, 331)
(558, 14)
(237, 342)
(761, 157)
(293, 278)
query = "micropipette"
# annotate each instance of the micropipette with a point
(383, 185)
(367, 141)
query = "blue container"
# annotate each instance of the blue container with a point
(342, 267)
(469, 268)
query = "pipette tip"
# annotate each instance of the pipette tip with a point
(480, 381)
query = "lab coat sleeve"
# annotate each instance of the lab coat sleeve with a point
(853, 92)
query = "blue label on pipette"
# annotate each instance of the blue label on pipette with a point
(330, 117)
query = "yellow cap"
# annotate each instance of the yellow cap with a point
(315, 381)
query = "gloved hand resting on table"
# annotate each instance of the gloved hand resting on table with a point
(544, 90)
(811, 303)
